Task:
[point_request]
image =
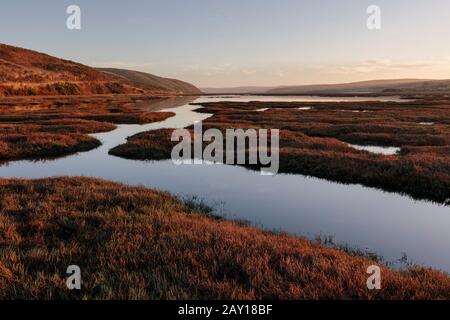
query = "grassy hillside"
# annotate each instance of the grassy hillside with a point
(26, 72)
(136, 243)
(29, 73)
(149, 81)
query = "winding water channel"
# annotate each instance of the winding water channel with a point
(387, 223)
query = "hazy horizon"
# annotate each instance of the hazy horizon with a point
(322, 83)
(242, 43)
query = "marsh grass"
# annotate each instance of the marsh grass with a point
(52, 129)
(197, 205)
(136, 243)
(401, 263)
(315, 143)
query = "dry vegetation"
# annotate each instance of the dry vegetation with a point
(25, 72)
(136, 243)
(46, 128)
(314, 142)
(29, 73)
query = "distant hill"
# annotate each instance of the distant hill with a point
(26, 72)
(380, 87)
(151, 82)
(237, 90)
(399, 86)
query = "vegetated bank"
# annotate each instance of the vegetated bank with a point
(51, 127)
(137, 243)
(315, 138)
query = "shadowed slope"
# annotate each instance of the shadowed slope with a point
(149, 81)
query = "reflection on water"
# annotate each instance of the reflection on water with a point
(387, 223)
(158, 104)
(246, 98)
(389, 151)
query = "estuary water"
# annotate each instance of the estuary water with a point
(389, 224)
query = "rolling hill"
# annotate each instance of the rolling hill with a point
(151, 82)
(238, 90)
(25, 72)
(363, 87)
(373, 87)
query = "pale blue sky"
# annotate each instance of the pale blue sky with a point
(241, 42)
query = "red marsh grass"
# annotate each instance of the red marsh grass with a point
(136, 243)
(33, 130)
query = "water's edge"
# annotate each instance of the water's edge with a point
(386, 223)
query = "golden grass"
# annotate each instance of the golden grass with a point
(136, 243)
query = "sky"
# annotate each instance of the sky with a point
(225, 43)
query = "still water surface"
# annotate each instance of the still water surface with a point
(387, 223)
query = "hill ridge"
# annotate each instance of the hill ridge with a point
(25, 72)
